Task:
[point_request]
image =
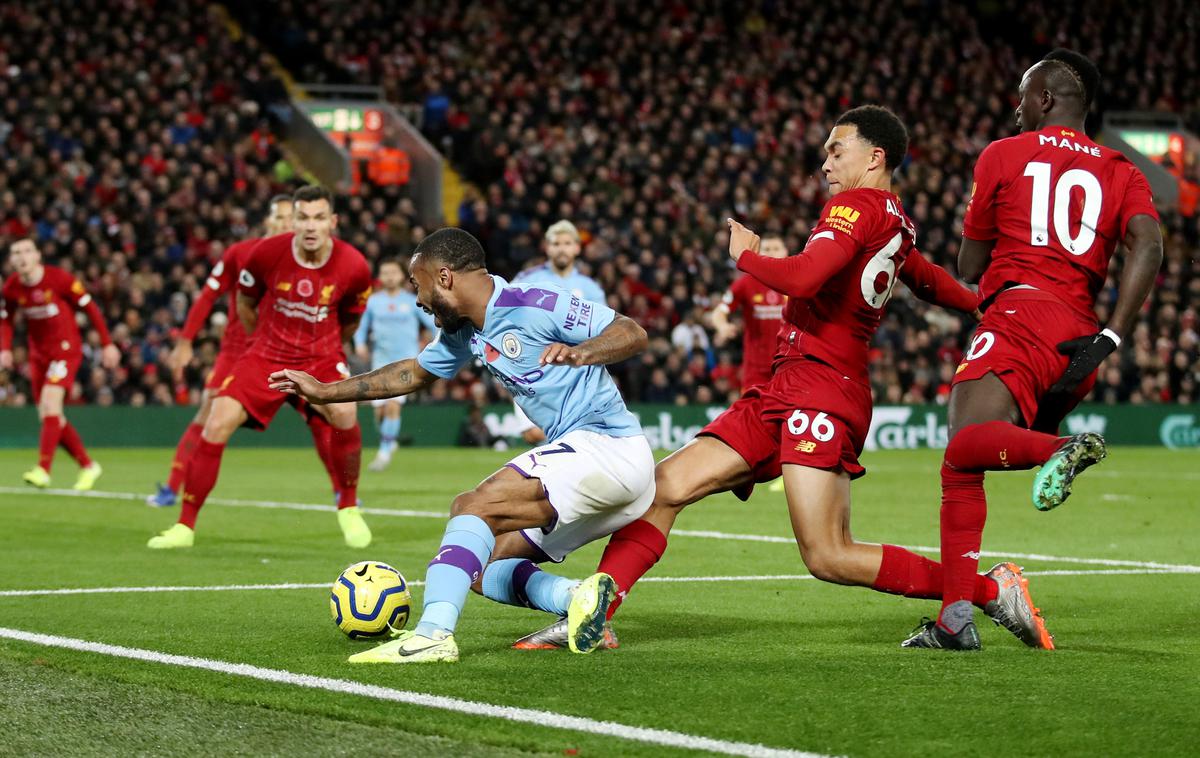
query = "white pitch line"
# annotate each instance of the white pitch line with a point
(272, 504)
(649, 579)
(551, 719)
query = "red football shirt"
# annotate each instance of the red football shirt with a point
(221, 280)
(1057, 204)
(863, 238)
(762, 315)
(49, 310)
(302, 309)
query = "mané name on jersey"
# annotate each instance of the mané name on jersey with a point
(1057, 204)
(520, 321)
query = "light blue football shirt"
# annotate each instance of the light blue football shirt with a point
(582, 287)
(520, 321)
(392, 325)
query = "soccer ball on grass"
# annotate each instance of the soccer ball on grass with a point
(369, 600)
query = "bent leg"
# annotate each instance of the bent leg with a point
(704, 466)
(200, 475)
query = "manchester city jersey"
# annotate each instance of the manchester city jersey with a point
(520, 321)
(392, 326)
(582, 287)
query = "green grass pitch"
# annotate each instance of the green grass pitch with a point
(786, 663)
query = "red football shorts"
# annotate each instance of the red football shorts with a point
(809, 414)
(248, 384)
(1018, 342)
(221, 370)
(56, 370)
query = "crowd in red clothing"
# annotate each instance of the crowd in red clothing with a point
(136, 143)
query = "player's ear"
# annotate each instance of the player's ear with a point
(445, 277)
(333, 221)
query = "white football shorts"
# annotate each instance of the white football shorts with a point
(595, 483)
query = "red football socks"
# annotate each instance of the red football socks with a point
(199, 479)
(903, 572)
(964, 511)
(322, 434)
(183, 453)
(51, 431)
(1000, 446)
(71, 442)
(631, 552)
(346, 448)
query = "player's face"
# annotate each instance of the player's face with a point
(314, 224)
(849, 159)
(390, 276)
(1031, 108)
(434, 294)
(562, 250)
(24, 256)
(279, 220)
(772, 247)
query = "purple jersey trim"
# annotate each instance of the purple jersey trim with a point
(534, 297)
(541, 555)
(519, 470)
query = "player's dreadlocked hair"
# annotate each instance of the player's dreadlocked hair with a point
(881, 128)
(1089, 75)
(453, 248)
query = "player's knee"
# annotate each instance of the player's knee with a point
(467, 503)
(824, 561)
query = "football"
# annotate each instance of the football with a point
(369, 600)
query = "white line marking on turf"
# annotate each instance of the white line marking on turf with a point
(472, 708)
(272, 504)
(649, 579)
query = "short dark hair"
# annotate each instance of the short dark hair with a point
(312, 192)
(881, 128)
(454, 248)
(1087, 72)
(281, 198)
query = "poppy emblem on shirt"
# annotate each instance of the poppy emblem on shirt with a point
(511, 345)
(490, 352)
(304, 288)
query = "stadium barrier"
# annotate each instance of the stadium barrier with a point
(668, 427)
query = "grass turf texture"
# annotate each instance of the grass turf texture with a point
(793, 664)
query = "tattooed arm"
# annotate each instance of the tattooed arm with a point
(392, 380)
(621, 339)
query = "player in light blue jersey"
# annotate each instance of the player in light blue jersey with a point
(549, 347)
(562, 248)
(390, 331)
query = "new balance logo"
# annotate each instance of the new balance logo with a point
(972, 554)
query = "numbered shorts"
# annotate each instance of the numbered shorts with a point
(248, 384)
(595, 483)
(1018, 342)
(56, 370)
(809, 414)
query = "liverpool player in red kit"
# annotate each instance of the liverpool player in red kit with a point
(762, 315)
(234, 343)
(48, 297)
(810, 420)
(300, 296)
(1046, 213)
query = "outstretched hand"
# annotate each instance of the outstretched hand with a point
(298, 383)
(560, 354)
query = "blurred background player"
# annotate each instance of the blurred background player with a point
(390, 331)
(234, 342)
(762, 315)
(47, 297)
(563, 245)
(598, 471)
(300, 296)
(1045, 215)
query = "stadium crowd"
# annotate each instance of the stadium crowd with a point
(144, 146)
